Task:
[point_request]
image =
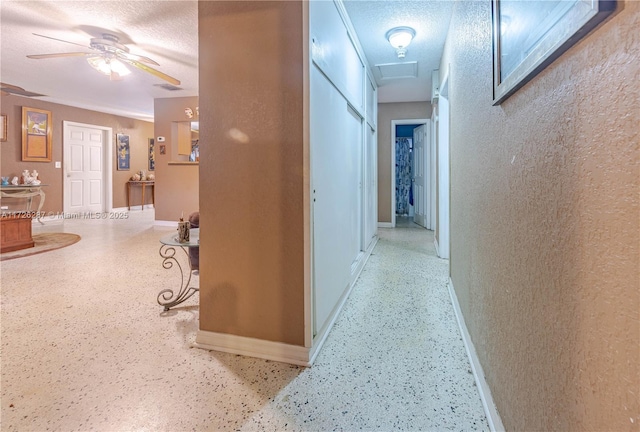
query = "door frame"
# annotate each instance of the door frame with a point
(395, 123)
(443, 239)
(107, 164)
(426, 177)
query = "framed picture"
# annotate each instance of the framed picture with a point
(152, 155)
(530, 35)
(3, 127)
(163, 149)
(36, 135)
(123, 151)
(195, 151)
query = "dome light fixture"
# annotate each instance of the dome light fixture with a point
(400, 38)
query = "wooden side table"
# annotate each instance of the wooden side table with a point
(142, 184)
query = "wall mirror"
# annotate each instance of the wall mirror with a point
(186, 134)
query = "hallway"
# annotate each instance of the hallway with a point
(85, 346)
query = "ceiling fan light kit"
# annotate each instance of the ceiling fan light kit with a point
(111, 58)
(110, 67)
(400, 38)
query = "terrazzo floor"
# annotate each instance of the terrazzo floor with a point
(86, 347)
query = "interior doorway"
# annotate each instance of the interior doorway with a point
(397, 189)
(87, 168)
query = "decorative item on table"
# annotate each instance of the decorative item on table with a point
(135, 177)
(5, 181)
(183, 230)
(15, 181)
(143, 176)
(30, 178)
(151, 177)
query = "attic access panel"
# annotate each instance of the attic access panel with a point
(397, 70)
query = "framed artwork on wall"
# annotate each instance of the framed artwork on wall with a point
(3, 127)
(123, 152)
(528, 36)
(152, 155)
(36, 135)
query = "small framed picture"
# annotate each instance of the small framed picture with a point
(124, 152)
(163, 149)
(36, 135)
(152, 155)
(3, 127)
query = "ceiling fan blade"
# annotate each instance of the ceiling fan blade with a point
(61, 40)
(7, 89)
(139, 58)
(10, 86)
(153, 71)
(45, 56)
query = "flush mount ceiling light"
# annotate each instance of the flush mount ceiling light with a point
(400, 38)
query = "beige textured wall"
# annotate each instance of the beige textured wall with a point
(177, 186)
(252, 195)
(11, 151)
(386, 113)
(545, 225)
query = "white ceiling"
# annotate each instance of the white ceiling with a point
(167, 32)
(429, 18)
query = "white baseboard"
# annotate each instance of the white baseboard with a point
(386, 225)
(322, 334)
(277, 351)
(251, 347)
(165, 223)
(493, 417)
(136, 207)
(435, 243)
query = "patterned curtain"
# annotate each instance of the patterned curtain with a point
(404, 155)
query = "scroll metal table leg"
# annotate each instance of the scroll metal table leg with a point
(167, 297)
(41, 193)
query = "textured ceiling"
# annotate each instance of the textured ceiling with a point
(167, 32)
(429, 18)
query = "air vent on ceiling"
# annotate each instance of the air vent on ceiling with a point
(398, 70)
(169, 87)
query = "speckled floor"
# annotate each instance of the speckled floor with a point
(85, 346)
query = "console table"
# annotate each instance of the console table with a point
(167, 297)
(28, 192)
(142, 184)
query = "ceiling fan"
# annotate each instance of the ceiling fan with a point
(109, 57)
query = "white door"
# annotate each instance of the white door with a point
(84, 186)
(418, 178)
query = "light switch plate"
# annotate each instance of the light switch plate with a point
(58, 164)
